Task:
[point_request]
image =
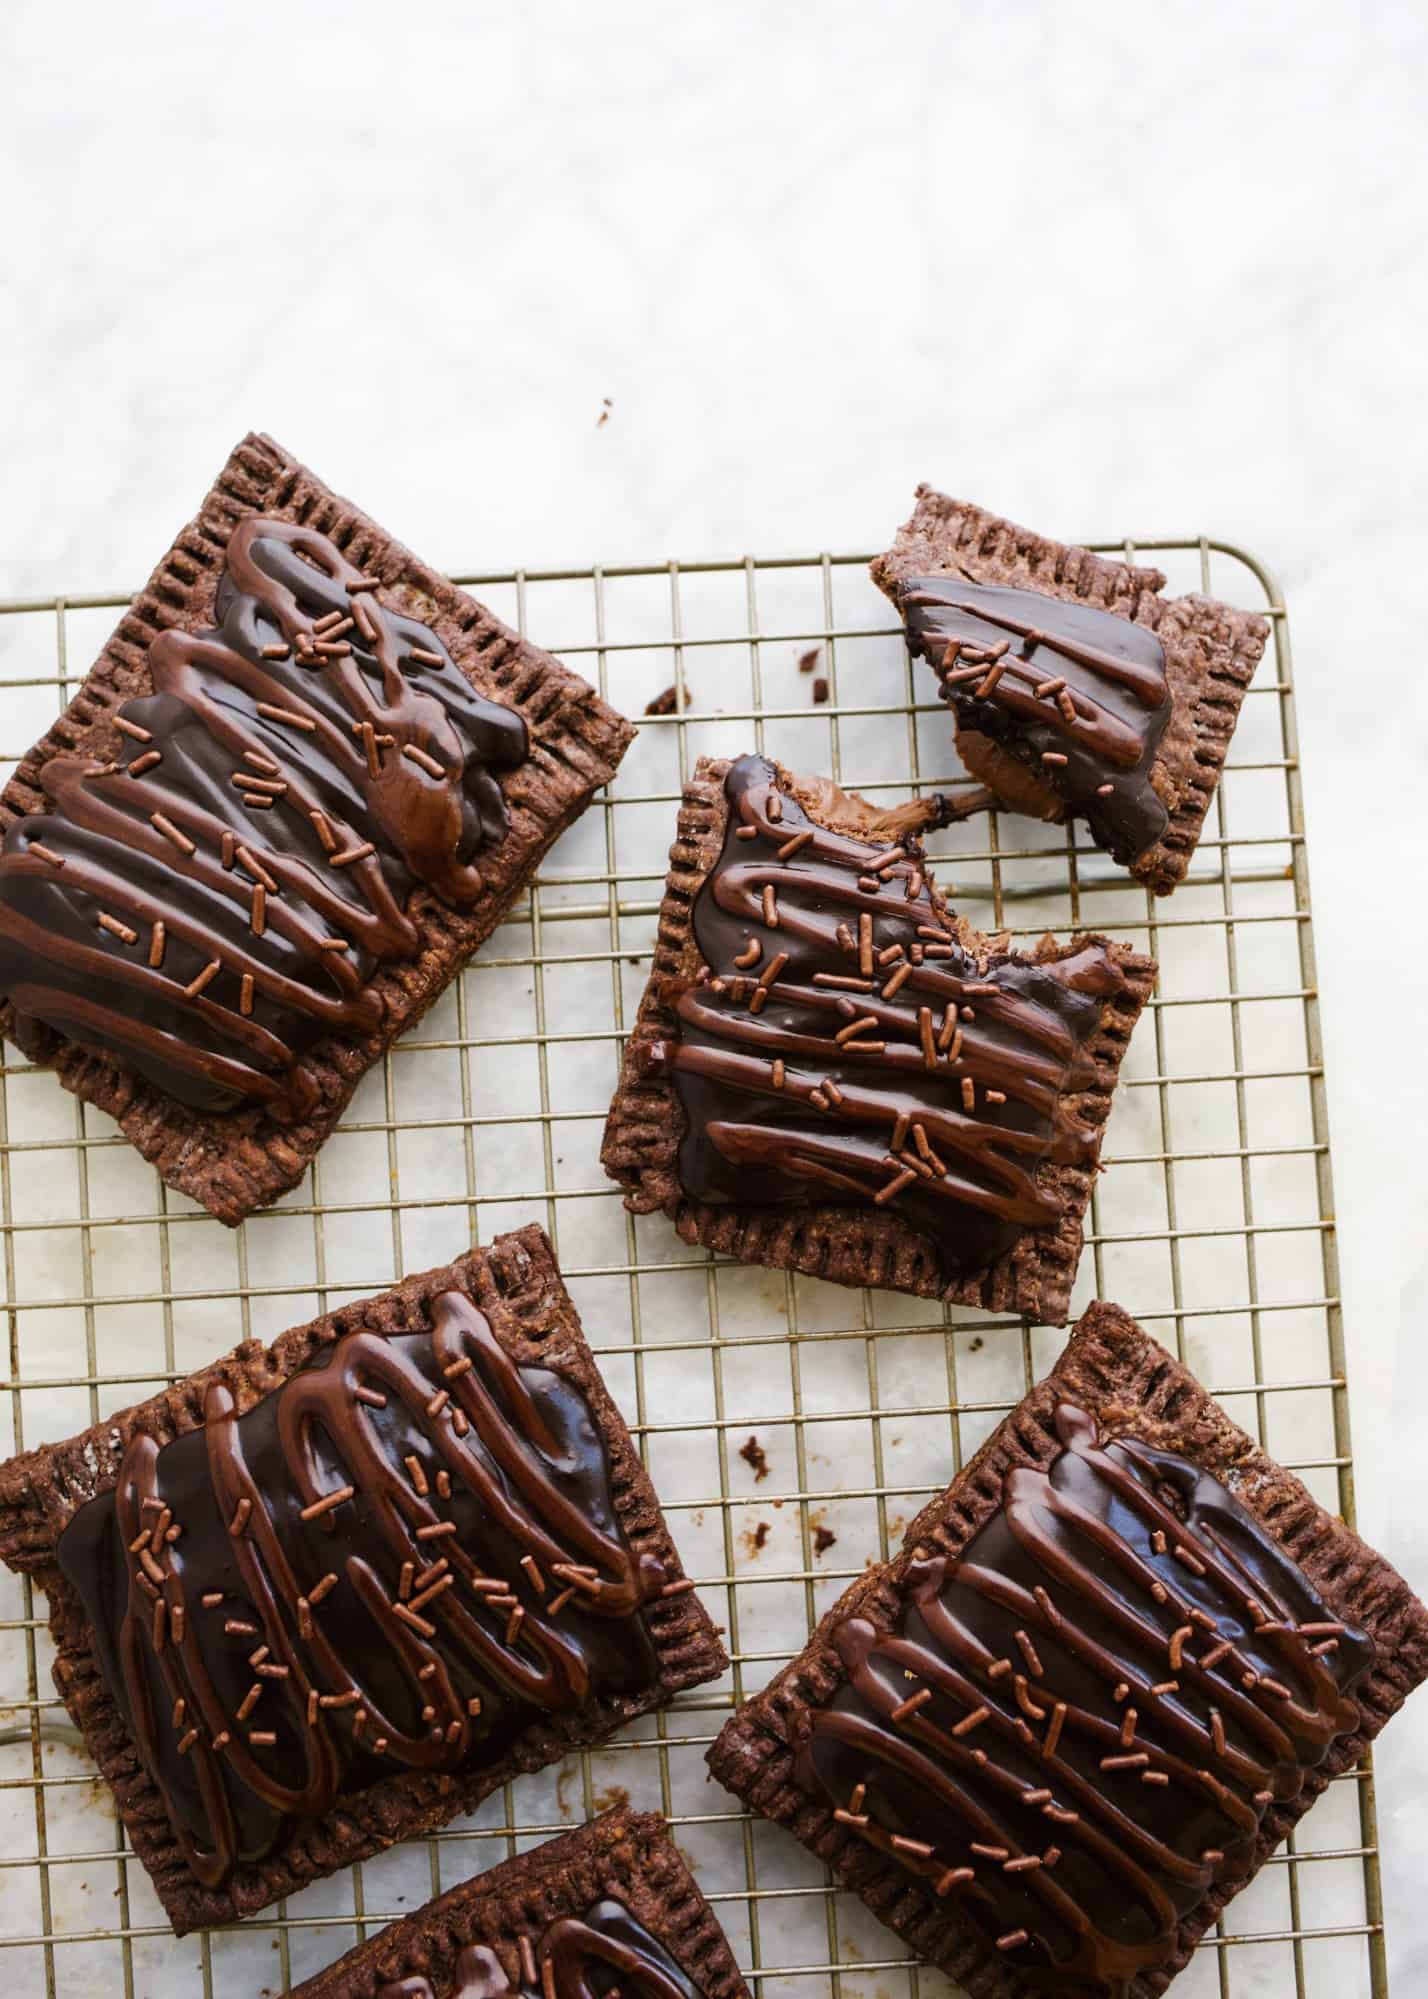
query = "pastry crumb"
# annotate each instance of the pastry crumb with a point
(754, 1457)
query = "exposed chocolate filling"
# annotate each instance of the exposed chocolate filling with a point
(219, 898)
(847, 1048)
(602, 1954)
(394, 1562)
(1077, 692)
(1077, 1726)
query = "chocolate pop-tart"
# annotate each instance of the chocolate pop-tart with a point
(832, 1073)
(1108, 1671)
(1079, 690)
(608, 1910)
(324, 1595)
(303, 781)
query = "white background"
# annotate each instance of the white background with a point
(1150, 270)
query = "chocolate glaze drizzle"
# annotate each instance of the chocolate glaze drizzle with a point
(392, 1562)
(1077, 1726)
(1077, 692)
(598, 1955)
(216, 900)
(846, 1048)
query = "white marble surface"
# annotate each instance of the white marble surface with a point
(1122, 270)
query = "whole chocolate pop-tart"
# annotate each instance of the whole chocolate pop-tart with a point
(1108, 1671)
(303, 781)
(610, 1909)
(832, 1073)
(1079, 690)
(324, 1595)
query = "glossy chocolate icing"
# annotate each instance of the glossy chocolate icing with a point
(1103, 712)
(595, 1956)
(780, 1113)
(1077, 1726)
(219, 898)
(459, 1572)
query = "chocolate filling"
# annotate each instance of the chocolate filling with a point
(219, 898)
(394, 1562)
(1077, 1725)
(846, 1048)
(1077, 693)
(602, 1954)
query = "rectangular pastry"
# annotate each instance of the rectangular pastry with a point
(302, 782)
(609, 1909)
(324, 1595)
(832, 1073)
(1079, 691)
(1108, 1671)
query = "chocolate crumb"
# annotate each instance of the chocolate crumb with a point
(823, 1539)
(754, 1457)
(606, 405)
(808, 660)
(664, 704)
(820, 691)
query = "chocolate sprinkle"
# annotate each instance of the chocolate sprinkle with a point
(493, 1677)
(1091, 728)
(230, 696)
(984, 1188)
(1070, 1587)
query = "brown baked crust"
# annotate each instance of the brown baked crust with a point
(849, 1245)
(1211, 653)
(625, 1854)
(1131, 1386)
(239, 1160)
(517, 1283)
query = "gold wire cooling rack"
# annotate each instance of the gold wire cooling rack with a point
(792, 1427)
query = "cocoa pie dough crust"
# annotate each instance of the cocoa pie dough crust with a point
(236, 1161)
(628, 1856)
(1211, 653)
(1130, 1386)
(517, 1284)
(849, 1245)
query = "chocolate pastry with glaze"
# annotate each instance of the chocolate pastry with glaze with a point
(832, 1073)
(1079, 690)
(1107, 1672)
(331, 1593)
(303, 782)
(609, 1910)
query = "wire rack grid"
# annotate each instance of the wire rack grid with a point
(791, 1427)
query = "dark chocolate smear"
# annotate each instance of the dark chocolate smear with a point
(947, 1099)
(604, 1954)
(1049, 679)
(217, 900)
(1077, 1726)
(394, 1562)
